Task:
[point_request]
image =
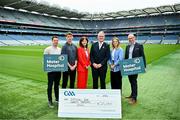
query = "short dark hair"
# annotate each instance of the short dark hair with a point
(54, 37)
(69, 33)
(83, 38)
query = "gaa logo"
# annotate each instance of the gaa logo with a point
(69, 93)
(61, 58)
(137, 60)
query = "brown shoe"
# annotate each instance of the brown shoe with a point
(132, 101)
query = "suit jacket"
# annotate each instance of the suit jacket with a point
(100, 56)
(138, 51)
(83, 61)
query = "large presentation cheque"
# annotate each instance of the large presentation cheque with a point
(89, 103)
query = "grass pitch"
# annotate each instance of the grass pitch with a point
(23, 84)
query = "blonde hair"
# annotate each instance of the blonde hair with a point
(115, 38)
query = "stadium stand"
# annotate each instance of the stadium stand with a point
(170, 39)
(154, 39)
(23, 27)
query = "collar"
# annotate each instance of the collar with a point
(68, 43)
(132, 44)
(54, 47)
(101, 43)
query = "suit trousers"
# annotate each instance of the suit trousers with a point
(134, 86)
(82, 78)
(116, 80)
(53, 77)
(96, 73)
(72, 75)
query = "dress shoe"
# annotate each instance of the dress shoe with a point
(128, 97)
(132, 101)
(50, 104)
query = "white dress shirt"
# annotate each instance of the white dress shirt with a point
(100, 44)
(131, 48)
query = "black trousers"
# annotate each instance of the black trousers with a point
(53, 77)
(96, 73)
(72, 75)
(134, 86)
(116, 80)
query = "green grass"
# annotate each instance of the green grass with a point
(27, 61)
(159, 96)
(23, 84)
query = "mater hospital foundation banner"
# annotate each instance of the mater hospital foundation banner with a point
(132, 66)
(55, 63)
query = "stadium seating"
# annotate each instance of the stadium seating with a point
(167, 26)
(170, 39)
(23, 17)
(154, 39)
(12, 39)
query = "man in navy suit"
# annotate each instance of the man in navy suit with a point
(99, 55)
(134, 50)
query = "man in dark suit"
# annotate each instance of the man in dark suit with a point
(134, 50)
(99, 56)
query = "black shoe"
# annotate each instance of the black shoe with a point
(128, 97)
(50, 104)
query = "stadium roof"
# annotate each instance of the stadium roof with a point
(55, 10)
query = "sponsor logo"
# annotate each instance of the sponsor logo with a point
(61, 58)
(69, 93)
(137, 60)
